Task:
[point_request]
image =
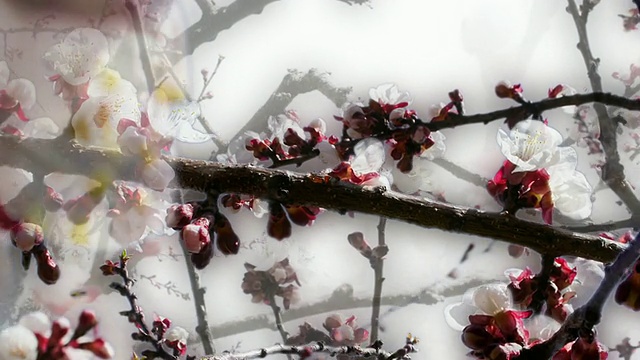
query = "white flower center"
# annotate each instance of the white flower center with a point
(529, 144)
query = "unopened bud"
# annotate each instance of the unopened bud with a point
(178, 216)
(26, 235)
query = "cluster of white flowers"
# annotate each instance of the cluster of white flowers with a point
(532, 145)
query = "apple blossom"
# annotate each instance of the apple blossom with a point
(82, 54)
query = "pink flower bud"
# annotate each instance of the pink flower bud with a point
(26, 235)
(178, 216)
(99, 348)
(86, 322)
(196, 235)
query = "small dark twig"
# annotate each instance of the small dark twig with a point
(377, 262)
(306, 350)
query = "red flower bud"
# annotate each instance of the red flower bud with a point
(26, 235)
(226, 239)
(86, 322)
(196, 235)
(48, 270)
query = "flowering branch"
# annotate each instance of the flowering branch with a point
(304, 351)
(309, 190)
(377, 263)
(588, 315)
(135, 315)
(612, 171)
(292, 85)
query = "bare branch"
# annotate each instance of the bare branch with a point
(211, 23)
(377, 262)
(143, 47)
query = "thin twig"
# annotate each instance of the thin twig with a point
(143, 47)
(378, 266)
(203, 329)
(208, 80)
(278, 317)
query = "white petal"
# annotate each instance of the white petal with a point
(369, 156)
(38, 322)
(157, 174)
(109, 82)
(131, 142)
(24, 91)
(41, 128)
(18, 343)
(186, 133)
(570, 191)
(492, 299)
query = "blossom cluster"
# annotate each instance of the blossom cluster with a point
(263, 285)
(539, 173)
(200, 225)
(36, 337)
(338, 332)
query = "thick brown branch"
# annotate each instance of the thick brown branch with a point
(289, 188)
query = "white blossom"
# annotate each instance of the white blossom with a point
(96, 122)
(21, 90)
(492, 299)
(177, 334)
(532, 145)
(80, 56)
(388, 94)
(570, 191)
(173, 116)
(18, 343)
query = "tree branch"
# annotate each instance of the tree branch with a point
(292, 85)
(378, 266)
(211, 23)
(612, 171)
(588, 315)
(306, 350)
(143, 47)
(313, 190)
(203, 329)
(454, 120)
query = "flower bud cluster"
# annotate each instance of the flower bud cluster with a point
(264, 286)
(199, 227)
